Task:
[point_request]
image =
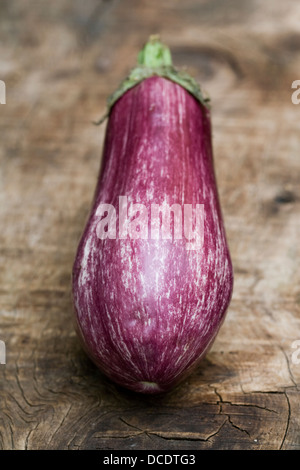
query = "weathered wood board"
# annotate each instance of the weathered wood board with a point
(60, 60)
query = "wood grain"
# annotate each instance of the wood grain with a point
(60, 60)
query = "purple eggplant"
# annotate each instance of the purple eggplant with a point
(152, 277)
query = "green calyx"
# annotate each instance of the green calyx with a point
(155, 60)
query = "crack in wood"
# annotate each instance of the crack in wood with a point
(288, 421)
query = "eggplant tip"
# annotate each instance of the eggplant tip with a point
(150, 387)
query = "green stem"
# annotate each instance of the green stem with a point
(155, 54)
(155, 60)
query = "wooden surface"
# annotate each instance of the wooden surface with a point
(59, 61)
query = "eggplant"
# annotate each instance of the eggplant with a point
(152, 277)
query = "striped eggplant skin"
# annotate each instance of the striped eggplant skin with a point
(147, 311)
